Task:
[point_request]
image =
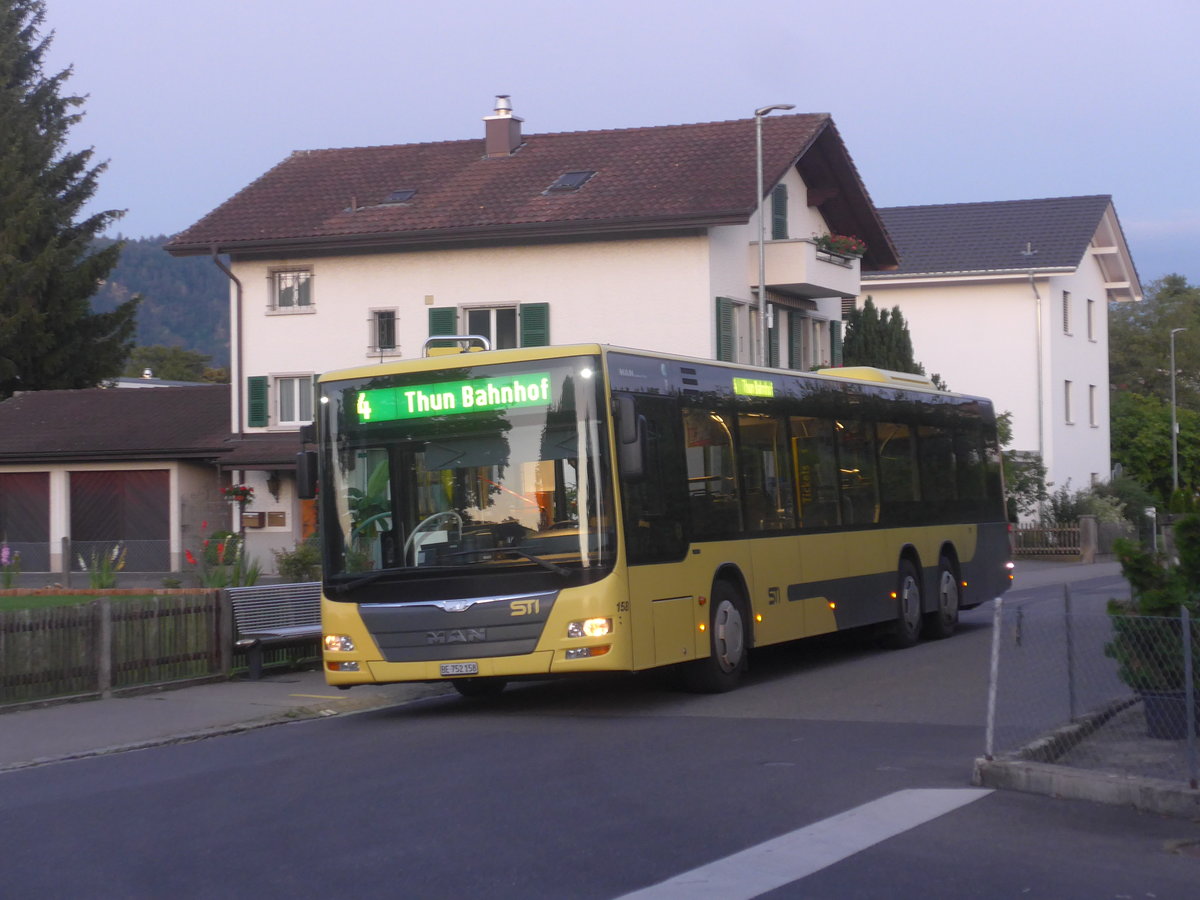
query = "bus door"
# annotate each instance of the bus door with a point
(655, 519)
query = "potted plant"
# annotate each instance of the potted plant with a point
(840, 244)
(1147, 640)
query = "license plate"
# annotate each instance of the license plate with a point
(471, 668)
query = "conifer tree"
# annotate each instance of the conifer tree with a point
(880, 338)
(49, 337)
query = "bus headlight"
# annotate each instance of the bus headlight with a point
(589, 628)
(338, 643)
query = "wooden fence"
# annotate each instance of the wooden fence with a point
(113, 643)
(1036, 541)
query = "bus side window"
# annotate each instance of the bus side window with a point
(815, 472)
(856, 462)
(766, 472)
(713, 491)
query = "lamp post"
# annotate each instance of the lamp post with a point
(1174, 426)
(762, 259)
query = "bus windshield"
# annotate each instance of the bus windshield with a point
(467, 468)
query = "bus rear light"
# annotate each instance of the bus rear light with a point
(586, 652)
(589, 628)
(758, 617)
(338, 643)
(342, 666)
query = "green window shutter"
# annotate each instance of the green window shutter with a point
(442, 320)
(535, 324)
(258, 406)
(725, 329)
(835, 342)
(773, 337)
(796, 340)
(779, 222)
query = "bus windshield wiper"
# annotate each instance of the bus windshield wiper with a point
(362, 581)
(544, 563)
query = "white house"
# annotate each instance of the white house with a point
(1009, 300)
(643, 237)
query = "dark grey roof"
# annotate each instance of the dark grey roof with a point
(990, 237)
(99, 423)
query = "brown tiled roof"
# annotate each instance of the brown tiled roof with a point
(656, 178)
(106, 424)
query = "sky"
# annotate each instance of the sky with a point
(937, 101)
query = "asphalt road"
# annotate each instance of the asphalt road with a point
(788, 787)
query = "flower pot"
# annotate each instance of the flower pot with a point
(1166, 714)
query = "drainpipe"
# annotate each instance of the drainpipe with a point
(1028, 253)
(237, 375)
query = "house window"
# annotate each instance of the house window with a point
(1066, 303)
(497, 324)
(383, 329)
(1091, 320)
(1067, 402)
(519, 325)
(291, 290)
(1092, 405)
(293, 400)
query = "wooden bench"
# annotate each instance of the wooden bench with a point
(274, 615)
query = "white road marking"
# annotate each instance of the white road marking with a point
(799, 853)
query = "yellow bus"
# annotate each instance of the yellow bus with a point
(530, 513)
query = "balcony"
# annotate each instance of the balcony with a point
(798, 268)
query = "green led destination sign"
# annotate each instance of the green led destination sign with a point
(452, 397)
(753, 387)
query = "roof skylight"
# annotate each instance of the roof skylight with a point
(570, 181)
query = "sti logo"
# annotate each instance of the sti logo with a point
(529, 607)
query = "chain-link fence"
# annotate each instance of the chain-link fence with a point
(1085, 688)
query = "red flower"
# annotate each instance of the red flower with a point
(191, 559)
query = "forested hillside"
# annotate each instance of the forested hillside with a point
(185, 301)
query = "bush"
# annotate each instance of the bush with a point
(1147, 631)
(302, 563)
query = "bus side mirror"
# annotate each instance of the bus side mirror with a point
(306, 474)
(631, 439)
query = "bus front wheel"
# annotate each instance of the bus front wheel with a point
(906, 628)
(727, 644)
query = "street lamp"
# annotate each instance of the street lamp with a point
(762, 259)
(1174, 426)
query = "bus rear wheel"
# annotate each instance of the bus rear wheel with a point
(727, 644)
(479, 688)
(906, 629)
(942, 622)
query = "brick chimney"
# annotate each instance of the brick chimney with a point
(502, 130)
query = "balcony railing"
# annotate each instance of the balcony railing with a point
(798, 268)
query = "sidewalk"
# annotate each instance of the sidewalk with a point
(33, 737)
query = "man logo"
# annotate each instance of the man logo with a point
(528, 607)
(456, 636)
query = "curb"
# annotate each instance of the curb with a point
(1144, 794)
